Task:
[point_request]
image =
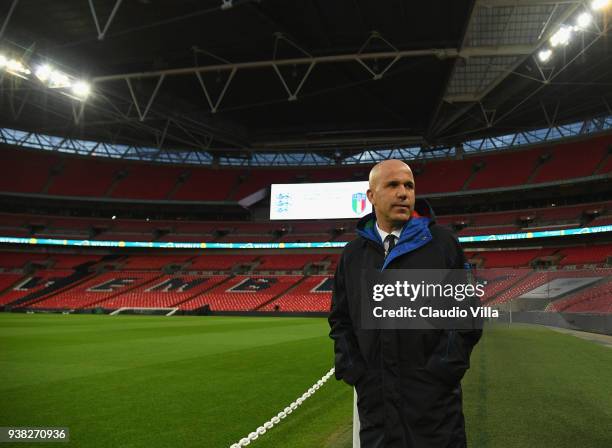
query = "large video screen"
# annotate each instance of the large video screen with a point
(331, 200)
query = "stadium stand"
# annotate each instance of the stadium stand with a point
(141, 230)
(503, 170)
(7, 280)
(597, 254)
(166, 291)
(287, 262)
(564, 162)
(488, 230)
(595, 299)
(72, 224)
(243, 293)
(607, 166)
(305, 238)
(137, 182)
(9, 220)
(199, 228)
(69, 261)
(260, 178)
(313, 294)
(509, 258)
(129, 225)
(37, 165)
(218, 262)
(31, 284)
(197, 186)
(75, 178)
(96, 290)
(602, 220)
(556, 215)
(503, 272)
(154, 262)
(66, 175)
(444, 176)
(246, 238)
(585, 254)
(499, 280)
(539, 278)
(12, 260)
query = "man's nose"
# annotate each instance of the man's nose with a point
(402, 192)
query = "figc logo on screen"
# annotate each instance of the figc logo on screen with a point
(359, 203)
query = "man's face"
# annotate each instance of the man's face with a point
(392, 194)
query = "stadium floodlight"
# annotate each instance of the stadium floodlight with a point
(58, 80)
(584, 20)
(545, 55)
(43, 72)
(598, 5)
(562, 36)
(81, 89)
(3, 61)
(15, 67)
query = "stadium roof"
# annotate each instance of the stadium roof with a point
(236, 77)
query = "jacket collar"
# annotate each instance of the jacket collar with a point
(415, 232)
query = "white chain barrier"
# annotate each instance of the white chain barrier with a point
(267, 426)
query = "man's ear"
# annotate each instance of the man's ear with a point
(370, 196)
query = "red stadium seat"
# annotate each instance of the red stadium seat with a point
(212, 262)
(303, 297)
(585, 254)
(165, 292)
(595, 299)
(287, 262)
(32, 283)
(97, 289)
(564, 164)
(243, 293)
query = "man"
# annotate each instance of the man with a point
(407, 381)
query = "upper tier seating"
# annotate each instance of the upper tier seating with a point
(24, 171)
(443, 176)
(206, 184)
(571, 160)
(147, 182)
(33, 171)
(76, 178)
(504, 170)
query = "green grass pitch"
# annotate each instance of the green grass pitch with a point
(136, 381)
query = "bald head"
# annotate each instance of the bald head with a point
(383, 169)
(391, 192)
